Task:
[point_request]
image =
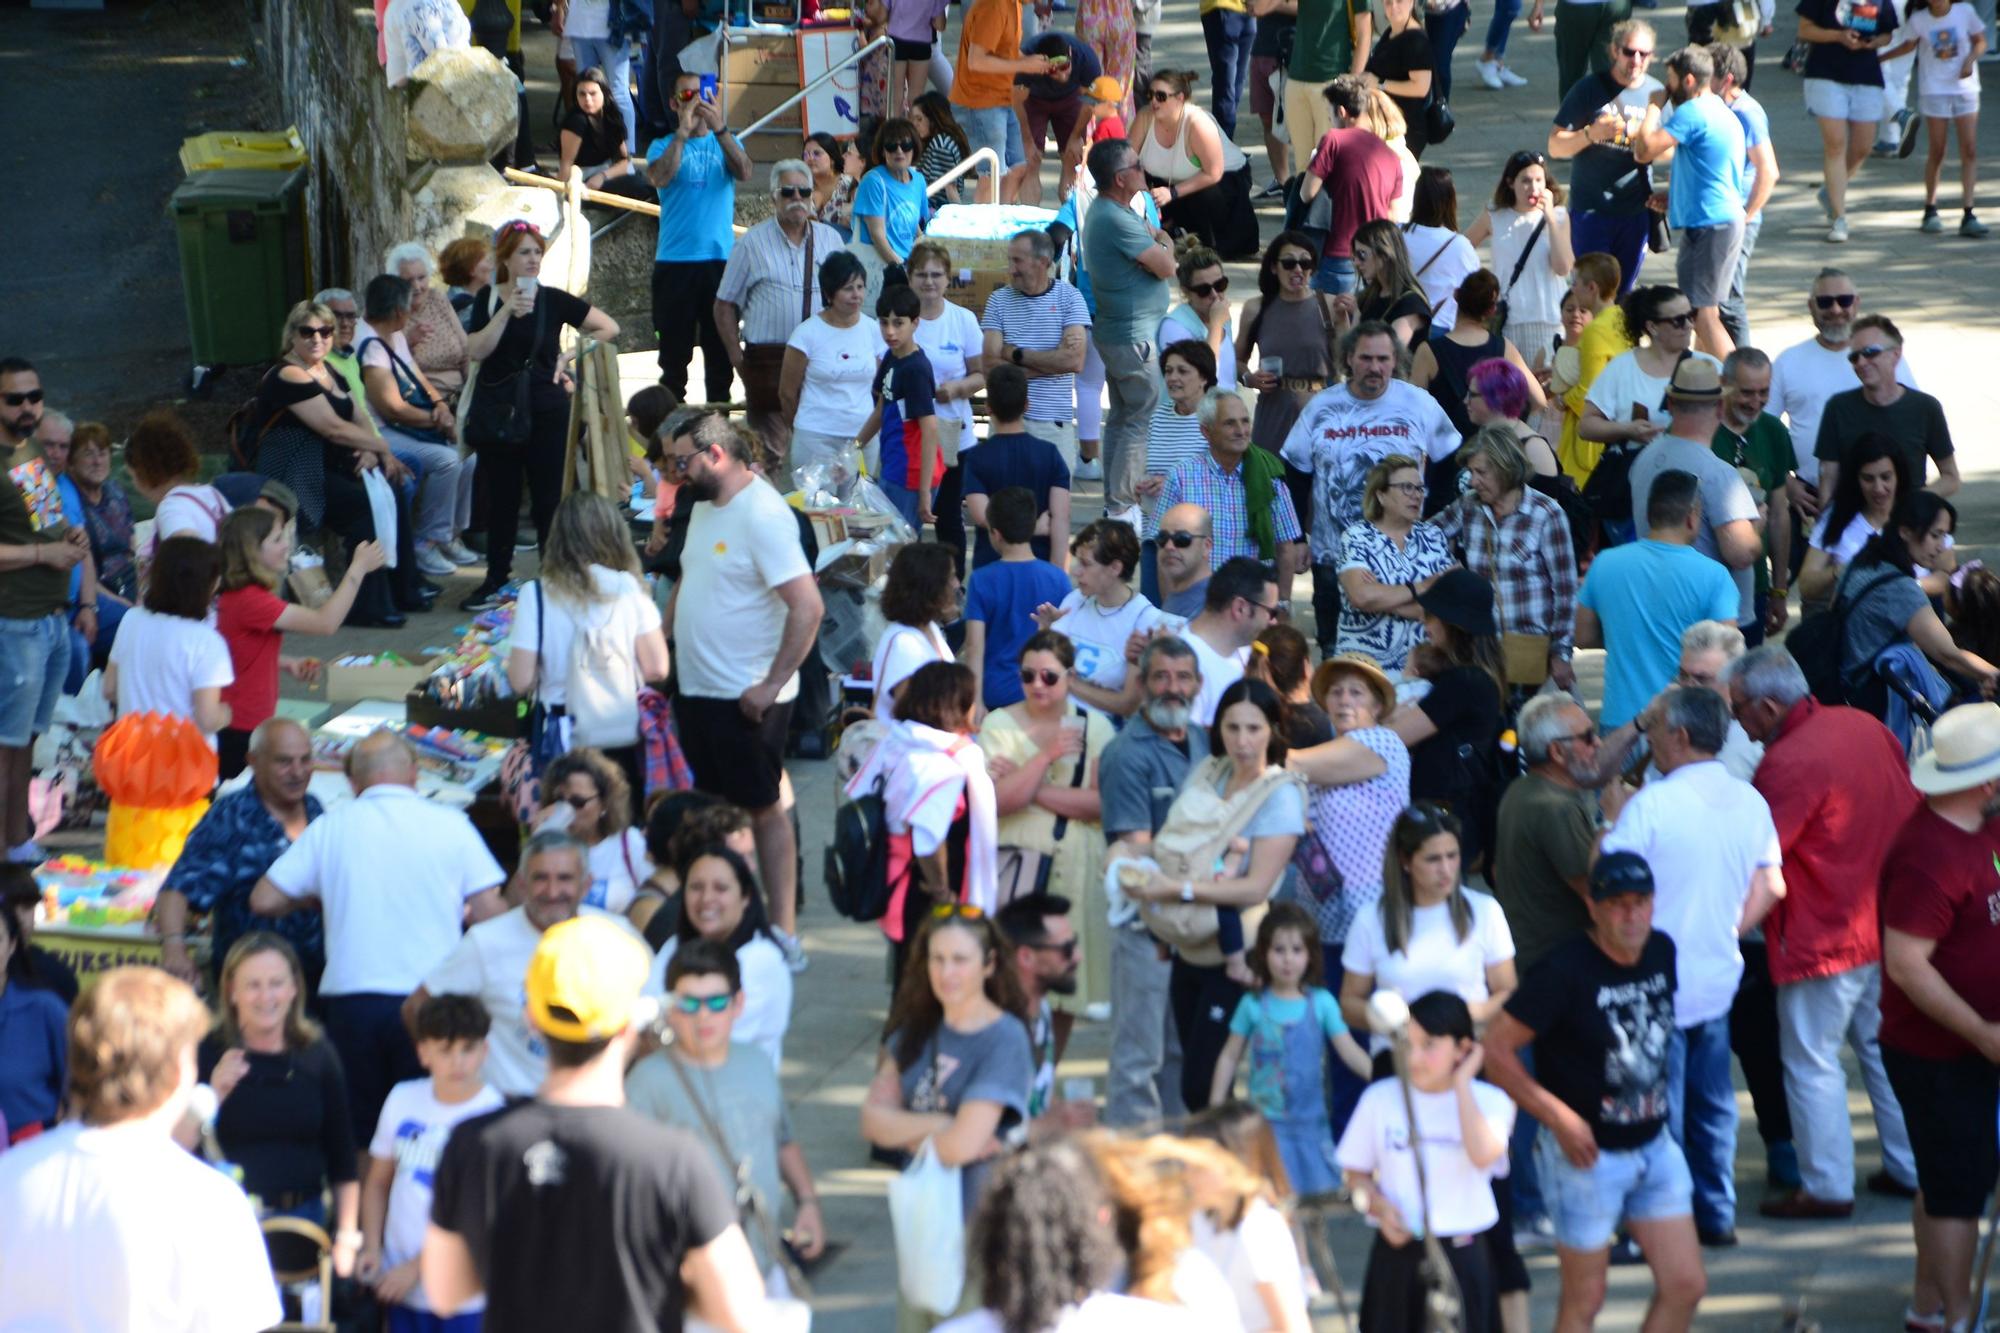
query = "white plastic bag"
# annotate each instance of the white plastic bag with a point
(382, 504)
(926, 1211)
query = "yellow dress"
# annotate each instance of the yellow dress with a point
(1078, 870)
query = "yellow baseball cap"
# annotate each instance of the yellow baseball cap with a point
(1104, 88)
(584, 979)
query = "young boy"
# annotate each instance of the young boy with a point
(906, 410)
(727, 1096)
(1463, 1126)
(1000, 598)
(1012, 457)
(417, 1120)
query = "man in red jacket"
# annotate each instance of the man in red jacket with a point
(1839, 792)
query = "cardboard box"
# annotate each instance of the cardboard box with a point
(352, 684)
(973, 294)
(770, 58)
(749, 102)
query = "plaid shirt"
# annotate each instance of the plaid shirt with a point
(1527, 558)
(1201, 480)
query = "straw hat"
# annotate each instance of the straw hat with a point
(1363, 666)
(1965, 751)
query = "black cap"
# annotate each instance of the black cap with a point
(1460, 597)
(1618, 873)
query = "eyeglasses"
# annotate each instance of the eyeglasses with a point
(967, 911)
(1208, 289)
(16, 399)
(1413, 489)
(315, 331)
(1181, 540)
(578, 802)
(1029, 675)
(900, 146)
(1585, 737)
(1844, 301)
(1679, 321)
(1161, 95)
(1634, 53)
(1067, 948)
(795, 192)
(1868, 353)
(345, 316)
(1267, 608)
(678, 462)
(694, 1004)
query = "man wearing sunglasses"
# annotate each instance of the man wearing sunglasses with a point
(1883, 405)
(1185, 559)
(1045, 944)
(1601, 110)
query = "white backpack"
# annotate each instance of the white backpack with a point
(603, 684)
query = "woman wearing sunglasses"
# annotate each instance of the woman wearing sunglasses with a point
(1203, 313)
(721, 903)
(1198, 176)
(587, 796)
(1290, 330)
(1043, 754)
(890, 206)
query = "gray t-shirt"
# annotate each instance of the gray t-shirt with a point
(1141, 773)
(1878, 622)
(994, 1064)
(744, 1100)
(1724, 499)
(1130, 301)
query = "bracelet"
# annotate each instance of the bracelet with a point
(86, 606)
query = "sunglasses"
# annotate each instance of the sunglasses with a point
(1868, 353)
(315, 331)
(578, 802)
(1161, 95)
(964, 911)
(1180, 540)
(900, 146)
(1527, 157)
(1030, 674)
(1067, 948)
(1634, 53)
(518, 224)
(1678, 321)
(1208, 289)
(694, 1004)
(16, 399)
(1829, 302)
(1586, 737)
(795, 192)
(1291, 265)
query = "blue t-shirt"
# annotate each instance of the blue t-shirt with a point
(1003, 596)
(907, 392)
(1066, 217)
(1645, 594)
(1749, 113)
(1287, 1084)
(73, 513)
(1013, 460)
(901, 205)
(698, 206)
(34, 1055)
(1707, 188)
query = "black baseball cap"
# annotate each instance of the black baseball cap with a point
(1619, 873)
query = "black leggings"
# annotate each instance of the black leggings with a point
(1196, 995)
(540, 461)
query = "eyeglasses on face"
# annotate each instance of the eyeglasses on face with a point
(1067, 948)
(1845, 300)
(1868, 353)
(1588, 736)
(900, 146)
(1413, 489)
(1635, 53)
(1208, 289)
(578, 802)
(1181, 540)
(678, 462)
(1292, 265)
(16, 399)
(964, 911)
(694, 1004)
(795, 192)
(1680, 321)
(315, 331)
(1029, 675)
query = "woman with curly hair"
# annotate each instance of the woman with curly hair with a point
(593, 788)
(921, 593)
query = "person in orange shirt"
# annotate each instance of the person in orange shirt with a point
(989, 56)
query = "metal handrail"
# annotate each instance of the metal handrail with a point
(757, 125)
(979, 155)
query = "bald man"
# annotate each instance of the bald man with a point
(231, 848)
(398, 877)
(1186, 537)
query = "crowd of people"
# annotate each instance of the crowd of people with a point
(1335, 888)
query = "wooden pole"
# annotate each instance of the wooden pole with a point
(589, 196)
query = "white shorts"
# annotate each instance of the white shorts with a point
(1948, 106)
(1844, 101)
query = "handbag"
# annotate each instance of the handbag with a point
(547, 737)
(1321, 876)
(1438, 120)
(499, 414)
(1659, 236)
(1498, 322)
(413, 392)
(1022, 872)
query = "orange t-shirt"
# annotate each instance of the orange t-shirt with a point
(995, 25)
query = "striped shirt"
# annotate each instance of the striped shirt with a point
(941, 154)
(1036, 324)
(1172, 438)
(1201, 480)
(766, 279)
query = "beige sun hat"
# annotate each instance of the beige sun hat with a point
(1965, 751)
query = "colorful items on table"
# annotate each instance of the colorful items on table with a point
(474, 672)
(77, 891)
(158, 771)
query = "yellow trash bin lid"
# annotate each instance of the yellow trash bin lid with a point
(230, 150)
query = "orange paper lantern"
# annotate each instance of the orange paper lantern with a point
(155, 761)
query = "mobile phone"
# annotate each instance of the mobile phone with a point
(708, 88)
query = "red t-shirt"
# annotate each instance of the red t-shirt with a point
(1942, 883)
(1363, 179)
(248, 621)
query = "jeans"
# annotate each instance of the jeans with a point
(438, 468)
(1622, 236)
(905, 500)
(1335, 275)
(1132, 375)
(1527, 1182)
(1735, 311)
(684, 316)
(994, 127)
(1326, 605)
(1497, 31)
(613, 55)
(1145, 1082)
(1444, 30)
(34, 658)
(1814, 1017)
(1701, 1115)
(1229, 36)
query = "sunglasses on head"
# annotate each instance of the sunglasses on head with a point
(315, 331)
(16, 399)
(964, 910)
(1029, 675)
(1868, 353)
(1180, 540)
(795, 192)
(1845, 300)
(518, 224)
(1291, 265)
(694, 1004)
(1208, 289)
(900, 146)
(1527, 157)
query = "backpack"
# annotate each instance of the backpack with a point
(246, 429)
(857, 856)
(603, 687)
(1819, 642)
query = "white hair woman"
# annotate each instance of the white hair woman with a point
(436, 338)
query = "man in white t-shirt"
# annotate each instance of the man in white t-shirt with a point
(105, 1221)
(416, 430)
(1716, 863)
(1242, 599)
(743, 617)
(397, 877)
(491, 961)
(1347, 429)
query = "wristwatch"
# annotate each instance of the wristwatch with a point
(1187, 890)
(1016, 357)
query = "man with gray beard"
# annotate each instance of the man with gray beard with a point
(1138, 777)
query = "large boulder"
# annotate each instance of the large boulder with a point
(444, 199)
(463, 107)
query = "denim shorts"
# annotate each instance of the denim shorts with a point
(1641, 1184)
(994, 127)
(1844, 101)
(34, 658)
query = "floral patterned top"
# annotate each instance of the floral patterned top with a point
(1353, 823)
(1386, 637)
(838, 211)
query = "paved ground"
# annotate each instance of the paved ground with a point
(91, 289)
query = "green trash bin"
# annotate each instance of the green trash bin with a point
(243, 260)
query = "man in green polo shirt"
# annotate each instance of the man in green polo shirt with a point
(1332, 38)
(1749, 437)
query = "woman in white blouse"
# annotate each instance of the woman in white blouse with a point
(922, 590)
(1871, 481)
(1529, 229)
(829, 372)
(950, 337)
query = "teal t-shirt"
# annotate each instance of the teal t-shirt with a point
(1130, 301)
(1645, 594)
(698, 206)
(1282, 1087)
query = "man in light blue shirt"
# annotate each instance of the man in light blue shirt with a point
(1760, 176)
(695, 169)
(1639, 598)
(1705, 204)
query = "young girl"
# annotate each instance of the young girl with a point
(944, 142)
(1258, 1254)
(915, 26)
(1287, 1024)
(256, 549)
(1463, 1126)
(166, 659)
(1948, 39)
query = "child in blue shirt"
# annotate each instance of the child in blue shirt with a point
(1001, 598)
(912, 459)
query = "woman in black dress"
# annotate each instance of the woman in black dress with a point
(1403, 64)
(1453, 731)
(310, 437)
(516, 329)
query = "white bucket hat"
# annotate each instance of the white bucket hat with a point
(1965, 751)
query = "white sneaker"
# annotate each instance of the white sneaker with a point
(1511, 79)
(459, 553)
(1837, 233)
(432, 562)
(794, 951)
(1489, 74)
(1089, 469)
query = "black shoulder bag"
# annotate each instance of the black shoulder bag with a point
(1499, 321)
(500, 415)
